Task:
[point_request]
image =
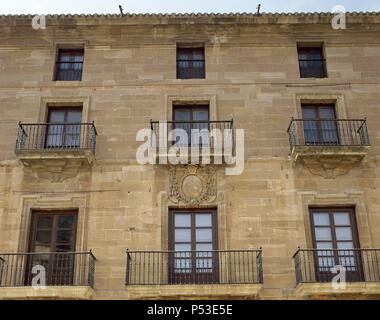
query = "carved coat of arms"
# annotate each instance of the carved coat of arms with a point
(192, 185)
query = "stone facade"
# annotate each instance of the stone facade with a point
(129, 78)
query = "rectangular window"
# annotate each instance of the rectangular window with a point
(312, 63)
(192, 238)
(63, 129)
(191, 63)
(335, 235)
(52, 240)
(69, 65)
(189, 117)
(319, 124)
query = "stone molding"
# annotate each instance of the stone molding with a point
(192, 185)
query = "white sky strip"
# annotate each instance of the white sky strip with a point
(180, 6)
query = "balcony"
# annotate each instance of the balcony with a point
(66, 275)
(328, 147)
(202, 139)
(56, 151)
(315, 275)
(202, 274)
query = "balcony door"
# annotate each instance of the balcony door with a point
(188, 117)
(334, 235)
(192, 239)
(63, 128)
(52, 241)
(320, 126)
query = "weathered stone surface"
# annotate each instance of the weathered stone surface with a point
(129, 78)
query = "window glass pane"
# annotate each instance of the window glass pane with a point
(43, 237)
(57, 116)
(200, 115)
(342, 219)
(327, 112)
(324, 245)
(203, 220)
(207, 247)
(343, 233)
(64, 236)
(345, 245)
(65, 221)
(182, 115)
(183, 250)
(182, 235)
(44, 222)
(321, 219)
(203, 235)
(74, 116)
(309, 112)
(64, 248)
(323, 233)
(182, 220)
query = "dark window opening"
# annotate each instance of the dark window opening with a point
(69, 65)
(63, 129)
(319, 124)
(312, 63)
(191, 117)
(191, 63)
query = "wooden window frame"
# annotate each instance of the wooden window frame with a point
(351, 276)
(304, 70)
(51, 280)
(72, 52)
(192, 72)
(318, 123)
(191, 108)
(193, 124)
(54, 229)
(193, 277)
(50, 110)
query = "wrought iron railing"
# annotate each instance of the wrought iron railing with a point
(194, 267)
(328, 132)
(56, 268)
(56, 136)
(322, 265)
(214, 135)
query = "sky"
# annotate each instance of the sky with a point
(180, 6)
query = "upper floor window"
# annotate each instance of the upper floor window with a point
(312, 62)
(191, 63)
(64, 127)
(319, 124)
(191, 117)
(69, 65)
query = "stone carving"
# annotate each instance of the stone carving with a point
(192, 185)
(330, 167)
(54, 170)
